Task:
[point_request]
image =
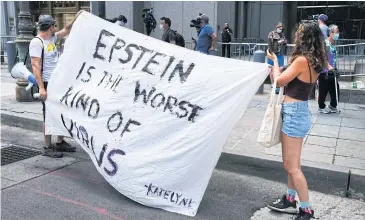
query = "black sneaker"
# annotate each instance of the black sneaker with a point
(284, 205)
(303, 215)
(50, 152)
(64, 147)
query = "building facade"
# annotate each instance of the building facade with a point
(254, 19)
(247, 19)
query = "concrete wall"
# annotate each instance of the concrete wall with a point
(8, 18)
(115, 8)
(225, 13)
(137, 22)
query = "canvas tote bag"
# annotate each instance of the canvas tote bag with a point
(269, 134)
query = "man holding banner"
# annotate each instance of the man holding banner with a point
(44, 58)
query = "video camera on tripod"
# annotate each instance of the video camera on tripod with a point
(149, 20)
(196, 24)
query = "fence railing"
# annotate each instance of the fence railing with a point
(350, 57)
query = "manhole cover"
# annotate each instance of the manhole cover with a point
(15, 153)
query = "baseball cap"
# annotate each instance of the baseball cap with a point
(323, 17)
(45, 21)
(204, 18)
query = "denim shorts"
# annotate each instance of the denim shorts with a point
(297, 119)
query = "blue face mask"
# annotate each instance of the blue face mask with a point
(336, 36)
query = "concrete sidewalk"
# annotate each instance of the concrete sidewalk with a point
(335, 141)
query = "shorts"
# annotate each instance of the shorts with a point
(44, 104)
(297, 119)
(280, 61)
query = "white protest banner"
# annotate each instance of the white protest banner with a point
(152, 116)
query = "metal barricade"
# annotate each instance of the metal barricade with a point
(351, 60)
(189, 45)
(349, 41)
(241, 51)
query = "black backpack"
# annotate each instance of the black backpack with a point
(179, 39)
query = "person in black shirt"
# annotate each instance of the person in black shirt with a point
(168, 35)
(226, 39)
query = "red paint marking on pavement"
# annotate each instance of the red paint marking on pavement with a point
(101, 211)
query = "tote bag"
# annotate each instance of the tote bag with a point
(269, 134)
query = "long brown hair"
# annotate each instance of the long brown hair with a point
(310, 42)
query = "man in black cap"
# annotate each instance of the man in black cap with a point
(44, 57)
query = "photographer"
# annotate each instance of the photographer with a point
(277, 43)
(207, 39)
(168, 35)
(226, 39)
(149, 20)
(326, 81)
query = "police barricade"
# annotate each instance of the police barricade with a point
(189, 45)
(241, 51)
(351, 61)
(349, 41)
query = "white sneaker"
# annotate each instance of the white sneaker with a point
(332, 109)
(324, 110)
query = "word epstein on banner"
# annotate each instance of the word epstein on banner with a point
(131, 49)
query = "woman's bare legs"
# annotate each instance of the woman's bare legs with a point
(291, 149)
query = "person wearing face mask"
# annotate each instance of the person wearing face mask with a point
(44, 58)
(326, 81)
(207, 38)
(277, 43)
(168, 35)
(121, 20)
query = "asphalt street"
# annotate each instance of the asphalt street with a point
(239, 187)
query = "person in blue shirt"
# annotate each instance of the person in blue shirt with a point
(322, 19)
(207, 38)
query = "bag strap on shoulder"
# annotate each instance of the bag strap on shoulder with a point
(42, 56)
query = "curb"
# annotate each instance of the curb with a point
(13, 120)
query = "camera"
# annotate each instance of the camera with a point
(149, 20)
(147, 10)
(196, 23)
(313, 17)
